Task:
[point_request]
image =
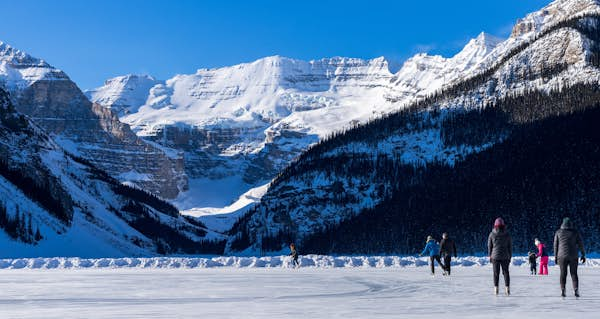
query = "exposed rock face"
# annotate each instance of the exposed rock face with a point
(54, 204)
(55, 103)
(253, 119)
(554, 12)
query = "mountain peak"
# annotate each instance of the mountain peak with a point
(476, 50)
(130, 78)
(487, 40)
(553, 13)
(18, 57)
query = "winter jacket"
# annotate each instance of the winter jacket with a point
(432, 248)
(532, 259)
(567, 242)
(294, 253)
(447, 247)
(542, 250)
(500, 245)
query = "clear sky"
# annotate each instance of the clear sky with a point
(93, 40)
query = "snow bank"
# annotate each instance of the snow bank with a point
(309, 261)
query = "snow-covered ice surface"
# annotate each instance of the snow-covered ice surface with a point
(343, 290)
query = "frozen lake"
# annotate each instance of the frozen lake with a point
(279, 292)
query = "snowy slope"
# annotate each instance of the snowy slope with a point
(355, 172)
(238, 126)
(77, 209)
(18, 69)
(122, 94)
(56, 104)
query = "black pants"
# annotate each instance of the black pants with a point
(533, 268)
(447, 263)
(497, 264)
(295, 261)
(439, 261)
(572, 264)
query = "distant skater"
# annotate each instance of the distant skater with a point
(567, 245)
(532, 263)
(294, 255)
(544, 256)
(432, 249)
(500, 252)
(447, 250)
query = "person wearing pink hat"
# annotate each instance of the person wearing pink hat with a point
(544, 257)
(500, 253)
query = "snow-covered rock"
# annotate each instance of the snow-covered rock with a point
(323, 190)
(53, 203)
(54, 102)
(251, 120)
(122, 94)
(306, 261)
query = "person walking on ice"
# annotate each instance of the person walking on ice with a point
(532, 263)
(447, 250)
(432, 249)
(294, 255)
(500, 253)
(567, 245)
(544, 256)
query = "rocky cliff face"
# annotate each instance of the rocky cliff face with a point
(55, 204)
(253, 119)
(554, 12)
(55, 103)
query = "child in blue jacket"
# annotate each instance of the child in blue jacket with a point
(432, 248)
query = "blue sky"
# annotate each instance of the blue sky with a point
(93, 40)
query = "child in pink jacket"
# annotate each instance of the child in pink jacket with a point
(543, 254)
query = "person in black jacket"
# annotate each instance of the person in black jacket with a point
(294, 255)
(567, 245)
(532, 263)
(500, 252)
(447, 250)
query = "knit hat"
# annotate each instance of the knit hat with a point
(429, 238)
(567, 224)
(499, 222)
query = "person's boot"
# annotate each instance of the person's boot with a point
(507, 291)
(563, 294)
(496, 290)
(577, 293)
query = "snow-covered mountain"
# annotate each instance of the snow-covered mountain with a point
(53, 203)
(411, 171)
(238, 126)
(123, 92)
(55, 103)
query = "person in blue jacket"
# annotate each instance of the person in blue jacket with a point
(432, 248)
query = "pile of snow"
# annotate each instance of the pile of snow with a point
(307, 261)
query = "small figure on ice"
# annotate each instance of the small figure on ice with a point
(544, 256)
(294, 255)
(532, 263)
(567, 245)
(447, 250)
(432, 249)
(500, 252)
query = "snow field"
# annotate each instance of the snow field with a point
(308, 292)
(306, 261)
